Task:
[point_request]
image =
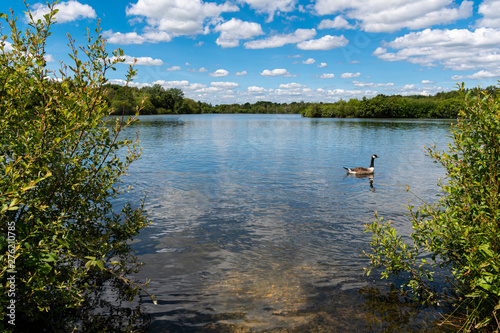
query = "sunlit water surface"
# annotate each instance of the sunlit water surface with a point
(257, 227)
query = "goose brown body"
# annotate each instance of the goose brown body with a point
(363, 171)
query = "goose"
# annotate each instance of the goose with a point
(361, 170)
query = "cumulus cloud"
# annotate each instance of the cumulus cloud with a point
(279, 40)
(448, 48)
(350, 75)
(241, 73)
(172, 84)
(427, 82)
(324, 43)
(130, 84)
(490, 9)
(255, 89)
(392, 15)
(292, 85)
(232, 31)
(339, 22)
(7, 46)
(309, 61)
(477, 76)
(49, 58)
(322, 65)
(270, 7)
(219, 73)
(143, 61)
(327, 76)
(185, 85)
(68, 11)
(123, 39)
(225, 85)
(276, 72)
(167, 19)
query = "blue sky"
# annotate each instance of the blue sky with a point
(240, 51)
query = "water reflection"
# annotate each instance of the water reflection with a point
(370, 179)
(255, 225)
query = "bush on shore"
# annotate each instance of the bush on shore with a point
(460, 233)
(61, 239)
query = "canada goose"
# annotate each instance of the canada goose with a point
(363, 171)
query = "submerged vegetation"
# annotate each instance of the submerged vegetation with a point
(459, 235)
(62, 242)
(158, 100)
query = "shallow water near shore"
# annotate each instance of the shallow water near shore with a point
(257, 227)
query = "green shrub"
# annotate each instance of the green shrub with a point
(459, 234)
(61, 240)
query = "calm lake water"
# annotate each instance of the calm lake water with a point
(257, 227)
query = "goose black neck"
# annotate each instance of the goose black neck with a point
(373, 160)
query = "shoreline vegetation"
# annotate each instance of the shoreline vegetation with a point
(157, 100)
(458, 237)
(66, 260)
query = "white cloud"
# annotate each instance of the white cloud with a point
(279, 40)
(219, 73)
(490, 9)
(427, 82)
(225, 85)
(172, 84)
(255, 89)
(350, 75)
(270, 7)
(185, 17)
(276, 72)
(7, 46)
(457, 49)
(232, 31)
(309, 61)
(241, 73)
(155, 36)
(292, 85)
(167, 19)
(371, 84)
(49, 58)
(323, 65)
(174, 68)
(144, 61)
(131, 84)
(392, 15)
(324, 43)
(68, 11)
(123, 39)
(327, 76)
(478, 75)
(185, 85)
(339, 22)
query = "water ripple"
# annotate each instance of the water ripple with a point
(254, 221)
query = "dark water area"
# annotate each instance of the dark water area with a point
(257, 227)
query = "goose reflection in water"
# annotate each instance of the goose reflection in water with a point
(370, 179)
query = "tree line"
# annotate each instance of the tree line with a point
(158, 100)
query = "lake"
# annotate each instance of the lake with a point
(257, 227)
